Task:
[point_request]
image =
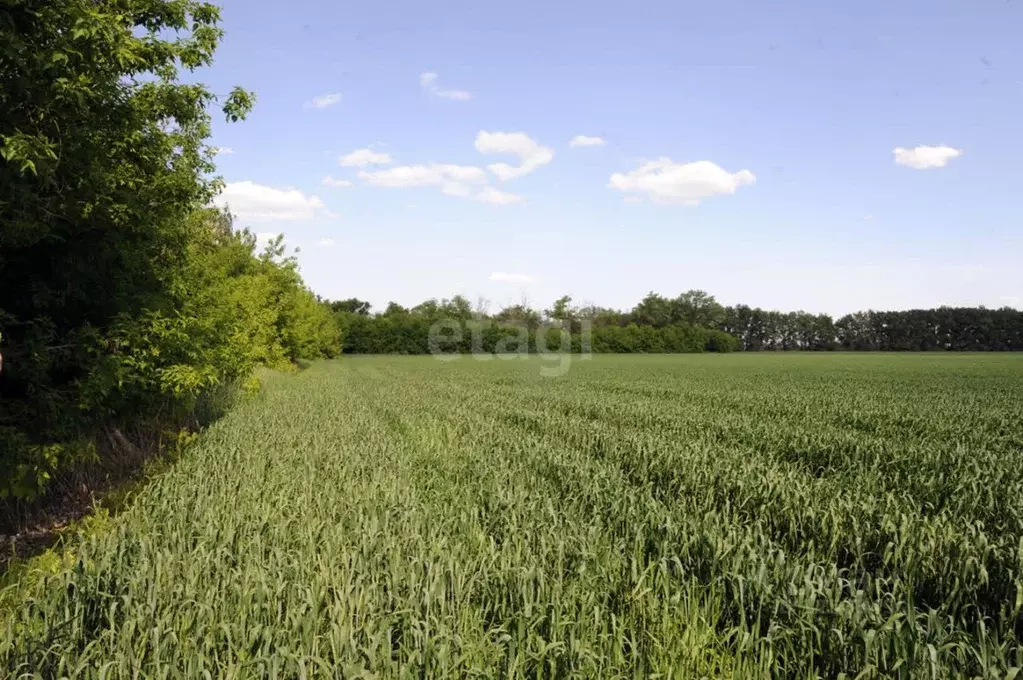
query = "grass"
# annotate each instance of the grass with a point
(640, 516)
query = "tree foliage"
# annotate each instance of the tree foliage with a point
(518, 328)
(123, 294)
(691, 322)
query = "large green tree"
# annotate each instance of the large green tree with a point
(104, 158)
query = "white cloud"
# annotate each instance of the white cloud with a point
(325, 243)
(223, 150)
(924, 157)
(531, 155)
(331, 182)
(632, 199)
(452, 180)
(583, 140)
(665, 181)
(253, 201)
(428, 81)
(460, 181)
(324, 101)
(456, 189)
(868, 217)
(454, 95)
(512, 278)
(360, 158)
(498, 197)
(461, 173)
(432, 174)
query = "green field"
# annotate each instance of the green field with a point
(756, 515)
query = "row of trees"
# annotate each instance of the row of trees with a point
(693, 321)
(124, 298)
(456, 325)
(417, 334)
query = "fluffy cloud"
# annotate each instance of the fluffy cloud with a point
(511, 278)
(432, 174)
(531, 155)
(454, 95)
(324, 101)
(460, 181)
(583, 140)
(456, 189)
(331, 182)
(498, 197)
(452, 180)
(325, 243)
(428, 81)
(253, 201)
(665, 181)
(360, 158)
(924, 157)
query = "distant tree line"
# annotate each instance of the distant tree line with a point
(456, 325)
(691, 322)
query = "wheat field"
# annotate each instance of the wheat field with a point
(744, 516)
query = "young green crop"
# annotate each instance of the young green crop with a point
(643, 516)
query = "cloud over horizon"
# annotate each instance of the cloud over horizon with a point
(360, 158)
(583, 140)
(925, 157)
(324, 101)
(252, 201)
(429, 82)
(665, 181)
(531, 154)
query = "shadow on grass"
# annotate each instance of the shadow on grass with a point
(128, 457)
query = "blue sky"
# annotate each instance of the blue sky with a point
(748, 149)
